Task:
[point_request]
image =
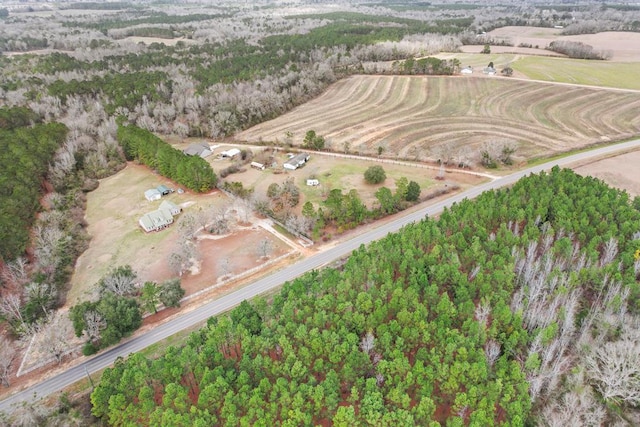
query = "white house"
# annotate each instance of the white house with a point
(156, 220)
(152, 194)
(161, 218)
(313, 182)
(467, 70)
(297, 161)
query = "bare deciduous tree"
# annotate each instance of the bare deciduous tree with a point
(15, 272)
(615, 368)
(7, 357)
(264, 248)
(94, 324)
(11, 309)
(54, 336)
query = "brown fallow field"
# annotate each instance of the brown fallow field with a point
(418, 117)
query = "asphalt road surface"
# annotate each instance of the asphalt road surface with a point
(194, 317)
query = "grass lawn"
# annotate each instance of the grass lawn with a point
(623, 75)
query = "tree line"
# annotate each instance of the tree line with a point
(191, 171)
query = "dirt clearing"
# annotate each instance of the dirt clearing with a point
(620, 171)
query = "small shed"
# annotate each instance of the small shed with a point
(313, 182)
(152, 194)
(230, 153)
(164, 190)
(467, 70)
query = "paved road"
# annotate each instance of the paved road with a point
(213, 308)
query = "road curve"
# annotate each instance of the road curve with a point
(106, 358)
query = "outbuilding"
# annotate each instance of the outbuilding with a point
(313, 182)
(152, 194)
(164, 190)
(201, 149)
(230, 153)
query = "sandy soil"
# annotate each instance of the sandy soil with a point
(620, 171)
(624, 46)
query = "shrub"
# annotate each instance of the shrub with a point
(375, 175)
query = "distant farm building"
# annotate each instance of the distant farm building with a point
(489, 71)
(230, 153)
(161, 218)
(467, 70)
(201, 149)
(313, 182)
(257, 165)
(152, 194)
(297, 161)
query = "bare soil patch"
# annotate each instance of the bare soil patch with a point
(620, 171)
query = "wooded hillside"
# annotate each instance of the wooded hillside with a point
(508, 309)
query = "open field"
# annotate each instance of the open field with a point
(113, 211)
(624, 46)
(621, 75)
(620, 171)
(420, 117)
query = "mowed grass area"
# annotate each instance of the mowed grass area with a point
(346, 174)
(623, 75)
(420, 117)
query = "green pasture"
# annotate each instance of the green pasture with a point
(623, 75)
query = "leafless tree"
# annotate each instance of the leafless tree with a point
(615, 367)
(95, 323)
(54, 336)
(119, 284)
(188, 226)
(368, 343)
(577, 407)
(11, 309)
(7, 357)
(492, 351)
(264, 248)
(15, 272)
(225, 267)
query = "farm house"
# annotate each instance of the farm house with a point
(297, 161)
(159, 219)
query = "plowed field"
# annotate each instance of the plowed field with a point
(416, 116)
